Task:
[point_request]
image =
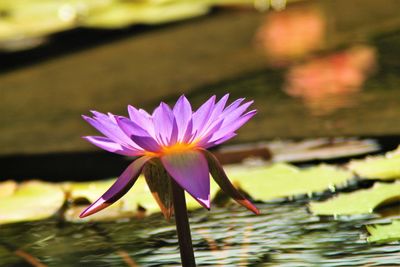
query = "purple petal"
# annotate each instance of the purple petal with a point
(214, 117)
(141, 118)
(174, 133)
(219, 107)
(99, 115)
(216, 142)
(147, 143)
(222, 180)
(190, 170)
(205, 138)
(232, 106)
(231, 128)
(182, 113)
(233, 115)
(217, 110)
(163, 123)
(119, 188)
(109, 145)
(138, 135)
(130, 128)
(224, 139)
(187, 137)
(200, 117)
(109, 128)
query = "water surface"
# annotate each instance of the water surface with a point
(285, 234)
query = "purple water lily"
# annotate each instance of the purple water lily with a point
(171, 143)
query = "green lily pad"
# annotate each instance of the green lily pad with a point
(123, 14)
(36, 18)
(359, 202)
(285, 180)
(385, 167)
(384, 233)
(7, 188)
(33, 200)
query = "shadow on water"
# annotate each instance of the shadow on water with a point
(75, 166)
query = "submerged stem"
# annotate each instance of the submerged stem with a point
(182, 226)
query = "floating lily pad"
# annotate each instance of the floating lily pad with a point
(31, 201)
(384, 233)
(123, 14)
(385, 167)
(7, 188)
(284, 180)
(359, 202)
(37, 18)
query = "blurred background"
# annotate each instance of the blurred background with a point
(323, 68)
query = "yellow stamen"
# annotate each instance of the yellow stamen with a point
(176, 148)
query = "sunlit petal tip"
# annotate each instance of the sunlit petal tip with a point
(206, 203)
(96, 113)
(86, 118)
(86, 137)
(94, 208)
(226, 95)
(120, 187)
(181, 97)
(251, 113)
(224, 99)
(212, 98)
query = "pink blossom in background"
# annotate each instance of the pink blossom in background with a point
(332, 77)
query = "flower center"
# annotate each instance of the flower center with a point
(178, 147)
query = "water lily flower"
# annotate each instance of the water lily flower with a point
(171, 144)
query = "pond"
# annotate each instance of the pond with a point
(315, 69)
(285, 234)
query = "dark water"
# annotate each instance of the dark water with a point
(284, 235)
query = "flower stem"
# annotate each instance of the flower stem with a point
(182, 226)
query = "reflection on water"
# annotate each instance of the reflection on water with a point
(285, 235)
(291, 38)
(292, 33)
(331, 82)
